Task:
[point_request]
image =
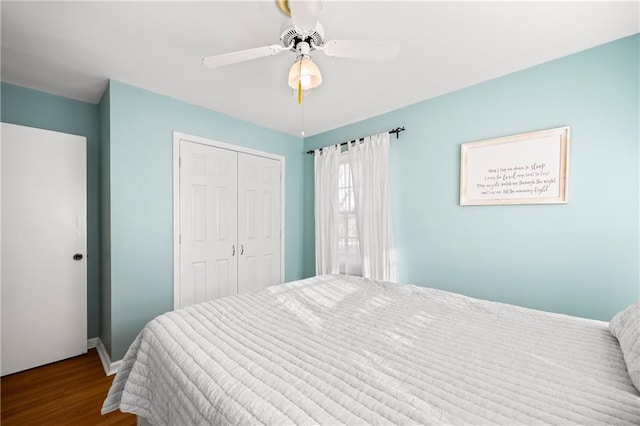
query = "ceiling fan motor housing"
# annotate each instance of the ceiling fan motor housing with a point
(290, 36)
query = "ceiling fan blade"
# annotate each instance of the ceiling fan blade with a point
(359, 49)
(304, 14)
(241, 56)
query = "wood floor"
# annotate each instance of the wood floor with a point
(68, 392)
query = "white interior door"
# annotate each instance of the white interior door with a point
(259, 222)
(44, 290)
(208, 223)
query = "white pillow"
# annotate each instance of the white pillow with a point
(626, 327)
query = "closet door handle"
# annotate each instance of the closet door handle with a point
(241, 248)
(233, 248)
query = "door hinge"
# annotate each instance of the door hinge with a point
(179, 238)
(179, 162)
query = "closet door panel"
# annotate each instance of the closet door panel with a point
(259, 206)
(208, 215)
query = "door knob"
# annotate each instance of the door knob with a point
(77, 256)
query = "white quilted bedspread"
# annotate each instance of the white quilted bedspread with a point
(341, 350)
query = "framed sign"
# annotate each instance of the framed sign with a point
(530, 168)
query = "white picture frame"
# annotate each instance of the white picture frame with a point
(528, 168)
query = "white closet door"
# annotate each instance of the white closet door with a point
(258, 222)
(208, 216)
(44, 243)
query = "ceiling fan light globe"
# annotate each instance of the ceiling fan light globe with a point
(306, 80)
(305, 72)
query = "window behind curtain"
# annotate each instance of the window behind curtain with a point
(348, 244)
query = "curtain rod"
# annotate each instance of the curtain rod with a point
(397, 131)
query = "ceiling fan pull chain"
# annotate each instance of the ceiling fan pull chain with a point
(300, 84)
(301, 112)
(300, 93)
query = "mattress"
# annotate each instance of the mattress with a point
(345, 350)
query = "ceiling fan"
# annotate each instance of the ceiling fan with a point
(303, 36)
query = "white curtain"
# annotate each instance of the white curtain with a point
(369, 163)
(326, 170)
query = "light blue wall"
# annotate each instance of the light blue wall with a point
(32, 108)
(104, 112)
(141, 198)
(581, 258)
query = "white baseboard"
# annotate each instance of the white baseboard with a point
(91, 343)
(110, 368)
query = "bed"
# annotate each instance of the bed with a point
(347, 350)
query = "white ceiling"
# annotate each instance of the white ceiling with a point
(72, 48)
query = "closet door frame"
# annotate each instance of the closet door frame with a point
(177, 138)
